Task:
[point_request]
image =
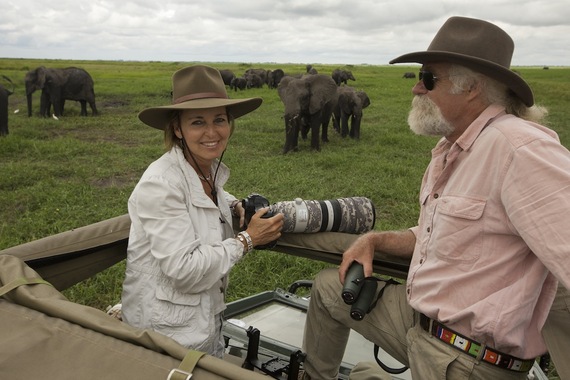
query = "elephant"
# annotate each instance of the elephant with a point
(274, 77)
(58, 85)
(254, 80)
(261, 72)
(238, 83)
(309, 102)
(311, 69)
(409, 75)
(342, 76)
(4, 94)
(350, 104)
(227, 76)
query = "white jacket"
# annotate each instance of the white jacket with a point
(181, 249)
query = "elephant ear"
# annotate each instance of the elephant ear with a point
(323, 91)
(364, 98)
(41, 76)
(282, 87)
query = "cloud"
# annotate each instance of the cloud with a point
(303, 31)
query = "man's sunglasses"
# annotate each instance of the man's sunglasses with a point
(428, 79)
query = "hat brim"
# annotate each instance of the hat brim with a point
(159, 117)
(507, 76)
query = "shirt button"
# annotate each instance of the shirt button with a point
(428, 229)
(436, 195)
(421, 261)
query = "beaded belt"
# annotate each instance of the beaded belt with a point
(474, 349)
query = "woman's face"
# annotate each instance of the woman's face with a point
(206, 132)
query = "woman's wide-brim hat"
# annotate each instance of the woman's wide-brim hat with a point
(478, 45)
(197, 87)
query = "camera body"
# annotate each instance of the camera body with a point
(252, 204)
(358, 291)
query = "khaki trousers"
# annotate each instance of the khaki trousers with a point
(556, 333)
(392, 325)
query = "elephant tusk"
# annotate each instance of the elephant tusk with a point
(55, 117)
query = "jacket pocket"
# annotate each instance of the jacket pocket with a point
(175, 309)
(458, 229)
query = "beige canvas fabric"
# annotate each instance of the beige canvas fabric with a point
(67, 258)
(70, 257)
(45, 336)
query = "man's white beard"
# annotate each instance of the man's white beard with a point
(426, 119)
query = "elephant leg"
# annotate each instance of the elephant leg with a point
(355, 127)
(344, 124)
(45, 104)
(94, 111)
(325, 132)
(83, 107)
(57, 107)
(315, 127)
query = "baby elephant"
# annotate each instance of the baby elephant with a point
(350, 105)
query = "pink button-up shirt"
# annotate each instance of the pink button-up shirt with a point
(494, 232)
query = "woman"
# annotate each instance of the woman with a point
(182, 244)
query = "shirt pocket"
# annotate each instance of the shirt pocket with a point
(458, 228)
(175, 309)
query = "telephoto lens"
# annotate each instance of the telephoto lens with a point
(353, 215)
(353, 283)
(364, 301)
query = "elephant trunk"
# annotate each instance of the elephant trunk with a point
(291, 132)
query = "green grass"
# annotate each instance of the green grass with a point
(61, 174)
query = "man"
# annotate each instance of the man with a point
(492, 238)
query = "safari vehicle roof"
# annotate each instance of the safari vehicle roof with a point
(47, 335)
(70, 257)
(88, 341)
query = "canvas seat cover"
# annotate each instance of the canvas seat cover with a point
(45, 336)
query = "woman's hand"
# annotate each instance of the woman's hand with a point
(238, 211)
(264, 230)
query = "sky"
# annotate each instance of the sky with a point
(266, 31)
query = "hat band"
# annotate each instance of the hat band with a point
(200, 95)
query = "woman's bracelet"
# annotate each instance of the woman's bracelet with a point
(245, 239)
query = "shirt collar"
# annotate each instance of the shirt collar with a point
(466, 140)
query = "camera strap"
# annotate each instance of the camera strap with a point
(393, 371)
(387, 282)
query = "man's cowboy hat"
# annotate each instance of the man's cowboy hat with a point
(197, 87)
(478, 45)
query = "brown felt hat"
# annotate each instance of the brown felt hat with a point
(197, 87)
(478, 45)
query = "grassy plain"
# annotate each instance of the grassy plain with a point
(61, 174)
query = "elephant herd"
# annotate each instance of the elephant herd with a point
(252, 78)
(311, 100)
